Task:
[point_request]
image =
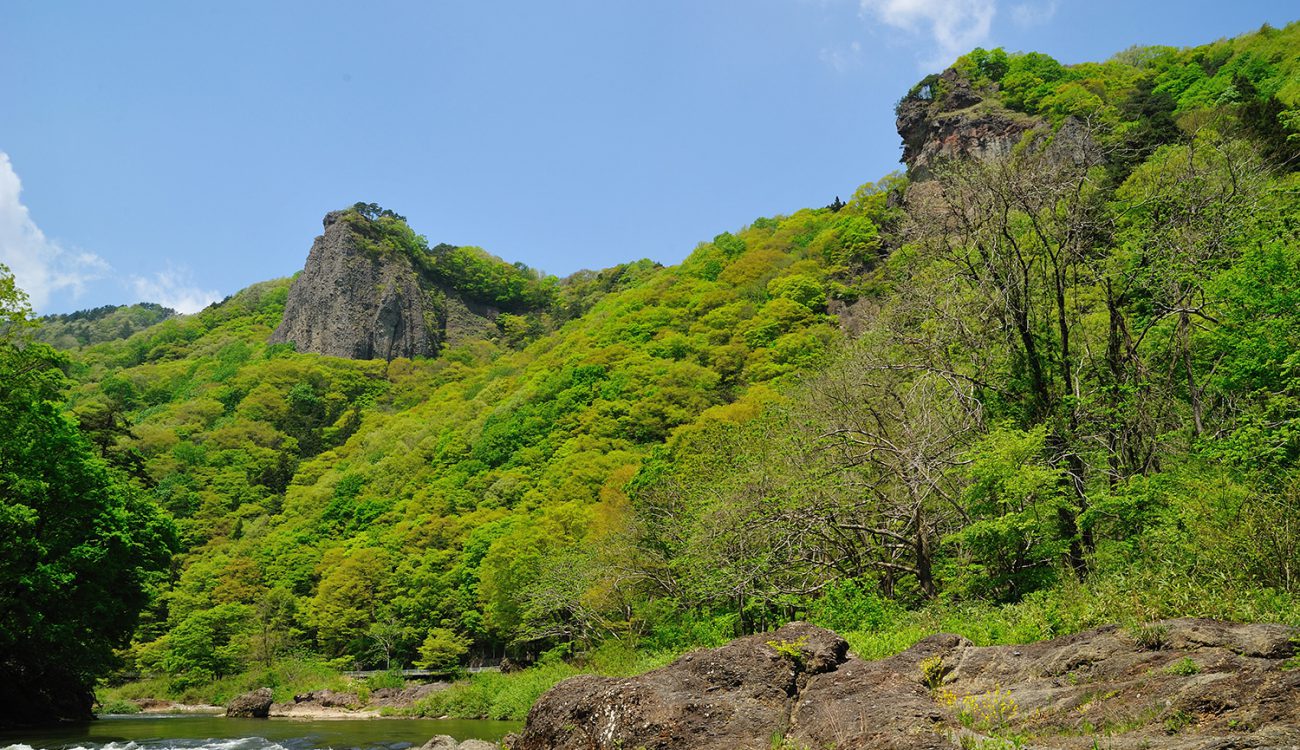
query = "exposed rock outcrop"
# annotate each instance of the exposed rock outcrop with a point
(447, 742)
(353, 301)
(254, 705)
(1177, 684)
(945, 118)
(734, 697)
(329, 699)
(403, 697)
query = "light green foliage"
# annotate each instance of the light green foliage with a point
(799, 288)
(1031, 78)
(343, 502)
(287, 677)
(101, 324)
(352, 586)
(442, 650)
(794, 651)
(851, 605)
(984, 66)
(118, 707)
(1009, 547)
(391, 680)
(205, 645)
(1184, 667)
(492, 695)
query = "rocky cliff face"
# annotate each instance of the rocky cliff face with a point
(350, 301)
(945, 118)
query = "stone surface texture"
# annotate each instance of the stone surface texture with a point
(353, 302)
(950, 120)
(1186, 684)
(254, 705)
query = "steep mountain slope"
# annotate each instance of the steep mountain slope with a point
(1073, 393)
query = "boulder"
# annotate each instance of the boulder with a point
(447, 742)
(254, 705)
(731, 698)
(403, 697)
(329, 699)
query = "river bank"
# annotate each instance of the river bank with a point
(215, 732)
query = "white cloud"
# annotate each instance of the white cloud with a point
(44, 269)
(954, 26)
(174, 288)
(842, 59)
(41, 266)
(1026, 15)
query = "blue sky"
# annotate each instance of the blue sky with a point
(179, 151)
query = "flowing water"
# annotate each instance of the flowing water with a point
(162, 732)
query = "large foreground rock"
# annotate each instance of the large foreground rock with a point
(1187, 684)
(254, 705)
(734, 697)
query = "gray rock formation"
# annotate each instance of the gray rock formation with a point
(447, 742)
(1188, 684)
(947, 119)
(354, 302)
(254, 705)
(329, 699)
(732, 698)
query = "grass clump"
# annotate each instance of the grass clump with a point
(792, 650)
(118, 706)
(1150, 637)
(932, 672)
(493, 695)
(1184, 667)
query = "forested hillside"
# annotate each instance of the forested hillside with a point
(354, 507)
(1046, 381)
(89, 327)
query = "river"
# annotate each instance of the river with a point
(163, 732)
